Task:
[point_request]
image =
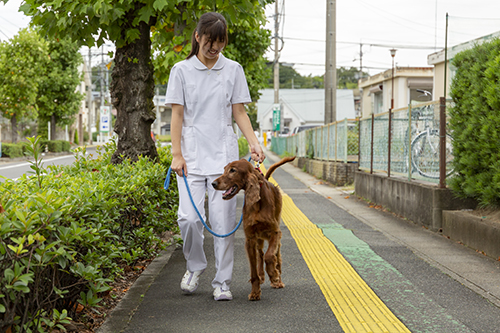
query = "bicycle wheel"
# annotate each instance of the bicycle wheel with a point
(425, 154)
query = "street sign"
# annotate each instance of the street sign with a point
(105, 119)
(276, 117)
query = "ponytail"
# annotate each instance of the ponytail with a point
(195, 46)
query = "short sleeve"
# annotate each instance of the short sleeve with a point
(241, 94)
(175, 92)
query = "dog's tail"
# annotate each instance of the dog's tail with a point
(277, 165)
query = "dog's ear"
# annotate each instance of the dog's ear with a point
(252, 191)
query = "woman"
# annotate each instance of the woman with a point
(204, 91)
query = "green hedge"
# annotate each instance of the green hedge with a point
(242, 146)
(68, 231)
(18, 149)
(475, 123)
(12, 150)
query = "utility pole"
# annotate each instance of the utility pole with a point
(101, 70)
(276, 57)
(330, 65)
(276, 107)
(158, 116)
(89, 102)
(360, 60)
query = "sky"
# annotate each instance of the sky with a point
(414, 28)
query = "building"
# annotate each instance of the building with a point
(437, 60)
(377, 90)
(301, 107)
(161, 125)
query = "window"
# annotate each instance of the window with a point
(378, 102)
(420, 96)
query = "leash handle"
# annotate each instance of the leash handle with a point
(166, 184)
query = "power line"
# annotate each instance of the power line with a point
(423, 47)
(4, 34)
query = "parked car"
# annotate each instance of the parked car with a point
(301, 128)
(285, 132)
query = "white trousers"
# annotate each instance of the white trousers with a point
(222, 221)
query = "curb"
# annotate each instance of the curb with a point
(121, 315)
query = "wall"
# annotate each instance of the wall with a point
(337, 173)
(420, 203)
(473, 231)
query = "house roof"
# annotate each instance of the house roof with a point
(404, 72)
(438, 57)
(307, 104)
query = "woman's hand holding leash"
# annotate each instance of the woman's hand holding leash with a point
(257, 153)
(179, 166)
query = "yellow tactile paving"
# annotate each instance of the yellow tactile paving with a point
(355, 305)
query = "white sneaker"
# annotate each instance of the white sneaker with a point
(189, 281)
(222, 295)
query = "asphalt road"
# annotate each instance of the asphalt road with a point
(15, 168)
(428, 282)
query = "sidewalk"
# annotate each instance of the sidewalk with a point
(416, 290)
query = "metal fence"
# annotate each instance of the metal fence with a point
(415, 150)
(333, 142)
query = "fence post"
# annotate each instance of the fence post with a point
(442, 142)
(389, 139)
(359, 140)
(336, 139)
(328, 144)
(371, 145)
(410, 167)
(322, 142)
(346, 143)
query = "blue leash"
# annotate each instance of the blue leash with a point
(166, 185)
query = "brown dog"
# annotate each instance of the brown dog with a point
(261, 218)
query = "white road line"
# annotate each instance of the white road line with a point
(43, 160)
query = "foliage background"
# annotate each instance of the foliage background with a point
(67, 232)
(475, 123)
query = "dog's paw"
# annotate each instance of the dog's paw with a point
(278, 285)
(253, 296)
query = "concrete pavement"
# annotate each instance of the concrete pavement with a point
(429, 283)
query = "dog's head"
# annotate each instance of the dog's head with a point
(240, 175)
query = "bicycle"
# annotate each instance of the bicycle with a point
(425, 145)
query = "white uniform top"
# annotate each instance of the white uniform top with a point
(208, 140)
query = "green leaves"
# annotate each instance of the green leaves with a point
(159, 5)
(80, 226)
(474, 122)
(22, 62)
(58, 97)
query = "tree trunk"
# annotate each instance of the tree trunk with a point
(52, 127)
(13, 123)
(132, 92)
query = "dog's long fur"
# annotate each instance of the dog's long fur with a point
(261, 218)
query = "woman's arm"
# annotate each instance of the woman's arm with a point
(178, 162)
(241, 118)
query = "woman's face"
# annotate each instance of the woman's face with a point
(209, 49)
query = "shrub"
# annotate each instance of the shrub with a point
(12, 150)
(55, 146)
(68, 231)
(65, 146)
(474, 123)
(242, 146)
(164, 138)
